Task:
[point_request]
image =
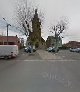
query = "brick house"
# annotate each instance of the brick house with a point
(72, 44)
(12, 40)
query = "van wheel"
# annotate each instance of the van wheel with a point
(6, 57)
(9, 57)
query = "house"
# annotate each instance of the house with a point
(72, 44)
(12, 40)
(51, 41)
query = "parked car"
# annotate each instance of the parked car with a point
(72, 49)
(78, 50)
(28, 49)
(75, 50)
(49, 49)
(52, 49)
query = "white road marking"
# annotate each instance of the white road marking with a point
(63, 56)
(55, 60)
(52, 77)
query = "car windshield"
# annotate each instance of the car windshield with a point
(50, 47)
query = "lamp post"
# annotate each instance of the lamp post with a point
(7, 29)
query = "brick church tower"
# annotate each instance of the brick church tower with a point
(35, 36)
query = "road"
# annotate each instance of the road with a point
(32, 73)
(66, 54)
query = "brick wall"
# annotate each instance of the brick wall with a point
(12, 40)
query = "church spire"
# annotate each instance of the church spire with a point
(36, 14)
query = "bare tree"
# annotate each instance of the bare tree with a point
(58, 30)
(41, 17)
(24, 17)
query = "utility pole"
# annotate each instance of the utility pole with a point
(7, 29)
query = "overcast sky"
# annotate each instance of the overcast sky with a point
(53, 10)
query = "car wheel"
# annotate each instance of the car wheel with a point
(6, 57)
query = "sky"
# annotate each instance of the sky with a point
(53, 11)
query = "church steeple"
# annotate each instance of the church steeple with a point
(36, 24)
(36, 14)
(35, 11)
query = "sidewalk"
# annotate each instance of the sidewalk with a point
(45, 55)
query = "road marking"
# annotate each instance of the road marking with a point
(55, 60)
(58, 78)
(45, 60)
(63, 56)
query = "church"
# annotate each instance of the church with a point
(35, 36)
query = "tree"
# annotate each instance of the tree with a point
(24, 17)
(58, 30)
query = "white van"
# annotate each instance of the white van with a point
(8, 51)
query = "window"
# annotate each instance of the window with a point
(1, 43)
(11, 43)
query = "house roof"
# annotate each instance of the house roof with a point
(42, 39)
(10, 38)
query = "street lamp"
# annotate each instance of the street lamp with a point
(7, 29)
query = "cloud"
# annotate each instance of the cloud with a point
(53, 10)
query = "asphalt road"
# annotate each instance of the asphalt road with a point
(66, 54)
(35, 75)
